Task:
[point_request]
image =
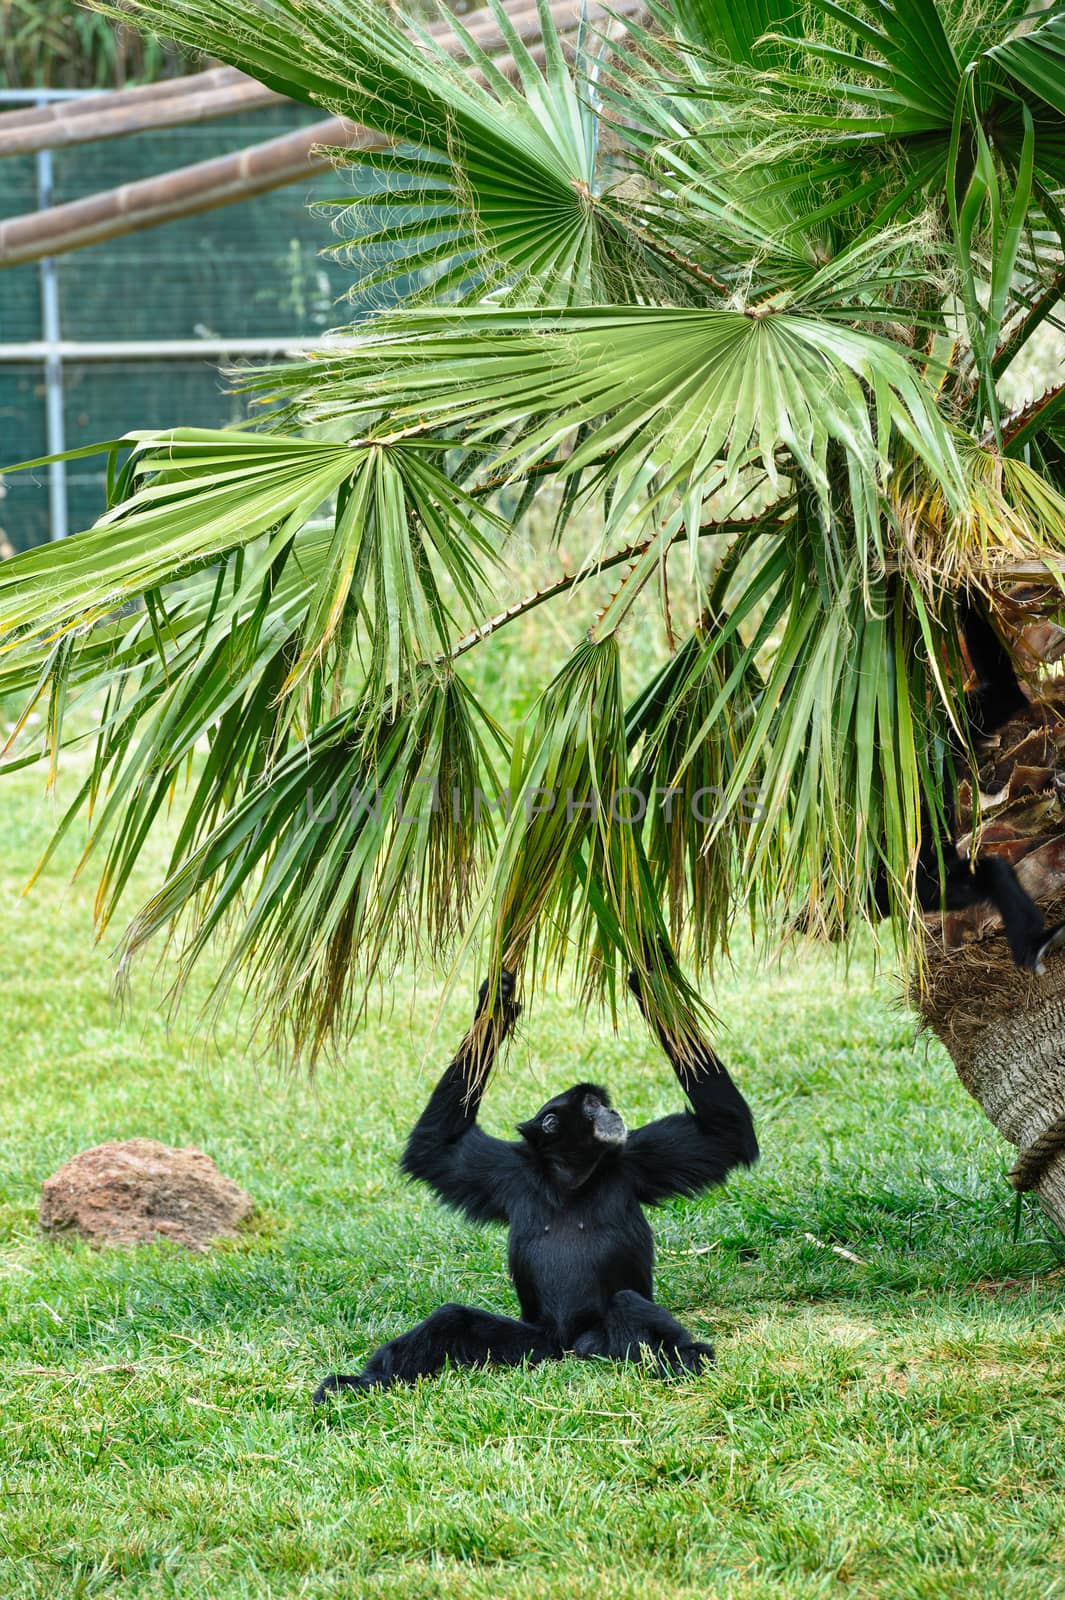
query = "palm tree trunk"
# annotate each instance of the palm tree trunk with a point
(1005, 1027)
(1012, 1058)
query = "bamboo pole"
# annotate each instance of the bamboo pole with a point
(219, 92)
(192, 98)
(185, 192)
(223, 180)
(69, 122)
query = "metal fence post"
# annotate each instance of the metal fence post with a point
(53, 356)
(55, 430)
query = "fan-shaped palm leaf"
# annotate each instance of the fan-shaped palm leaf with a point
(351, 838)
(699, 396)
(489, 184)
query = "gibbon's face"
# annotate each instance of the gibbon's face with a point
(576, 1127)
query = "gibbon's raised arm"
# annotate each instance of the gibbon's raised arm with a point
(465, 1166)
(691, 1150)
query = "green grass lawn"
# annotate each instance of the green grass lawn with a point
(890, 1425)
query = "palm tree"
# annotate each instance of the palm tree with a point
(727, 293)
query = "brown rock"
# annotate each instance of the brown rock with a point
(140, 1191)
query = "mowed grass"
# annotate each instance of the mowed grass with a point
(887, 1425)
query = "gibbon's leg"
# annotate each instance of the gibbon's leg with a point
(989, 881)
(460, 1334)
(956, 884)
(633, 1324)
(992, 880)
(995, 697)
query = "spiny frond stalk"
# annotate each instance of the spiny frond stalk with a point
(568, 580)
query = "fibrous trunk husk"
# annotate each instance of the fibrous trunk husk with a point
(1005, 1027)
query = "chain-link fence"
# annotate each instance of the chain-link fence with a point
(130, 333)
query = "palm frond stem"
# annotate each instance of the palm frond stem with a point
(1036, 414)
(665, 252)
(1037, 314)
(568, 580)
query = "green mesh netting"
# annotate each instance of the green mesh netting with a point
(244, 271)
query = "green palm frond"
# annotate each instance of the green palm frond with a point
(185, 498)
(685, 762)
(908, 55)
(150, 698)
(897, 72)
(352, 833)
(497, 196)
(400, 528)
(400, 520)
(875, 108)
(487, 187)
(746, 32)
(697, 396)
(842, 730)
(749, 217)
(571, 851)
(1036, 61)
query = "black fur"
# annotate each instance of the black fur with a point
(571, 1190)
(945, 879)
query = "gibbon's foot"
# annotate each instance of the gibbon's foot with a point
(664, 1360)
(1054, 941)
(361, 1381)
(694, 1358)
